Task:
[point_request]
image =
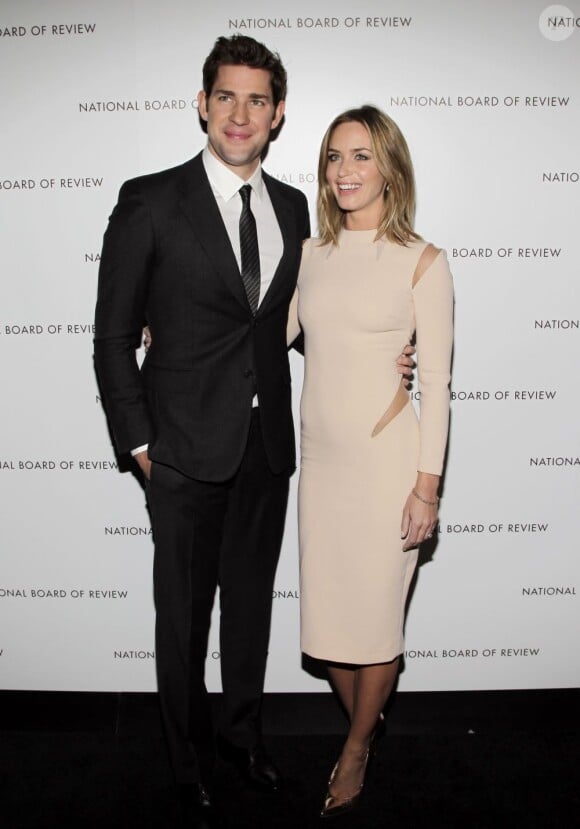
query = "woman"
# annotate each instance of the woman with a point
(370, 469)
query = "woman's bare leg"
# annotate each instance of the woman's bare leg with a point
(372, 685)
(342, 680)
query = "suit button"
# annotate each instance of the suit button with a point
(248, 372)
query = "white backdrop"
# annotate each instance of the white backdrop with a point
(487, 92)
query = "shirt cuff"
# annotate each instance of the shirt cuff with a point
(139, 449)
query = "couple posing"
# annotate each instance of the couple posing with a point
(212, 256)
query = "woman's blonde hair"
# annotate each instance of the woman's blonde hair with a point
(393, 160)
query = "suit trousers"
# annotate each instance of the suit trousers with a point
(208, 534)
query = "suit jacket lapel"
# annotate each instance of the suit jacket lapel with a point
(199, 205)
(285, 215)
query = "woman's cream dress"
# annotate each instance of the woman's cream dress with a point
(361, 441)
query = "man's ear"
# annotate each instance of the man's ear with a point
(202, 104)
(278, 114)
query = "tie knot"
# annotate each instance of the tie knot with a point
(245, 193)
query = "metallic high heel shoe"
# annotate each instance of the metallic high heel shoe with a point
(334, 806)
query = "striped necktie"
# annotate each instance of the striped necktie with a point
(250, 253)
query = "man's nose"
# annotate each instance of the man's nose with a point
(240, 113)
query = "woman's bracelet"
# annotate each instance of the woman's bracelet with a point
(424, 500)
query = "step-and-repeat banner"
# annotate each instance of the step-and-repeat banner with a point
(487, 93)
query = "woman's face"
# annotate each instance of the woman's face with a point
(352, 173)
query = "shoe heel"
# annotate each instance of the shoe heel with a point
(377, 735)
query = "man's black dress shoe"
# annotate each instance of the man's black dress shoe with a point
(197, 809)
(254, 764)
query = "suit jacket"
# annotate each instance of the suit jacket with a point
(167, 260)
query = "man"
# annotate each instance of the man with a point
(208, 419)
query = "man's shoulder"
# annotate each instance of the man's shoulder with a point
(284, 189)
(161, 179)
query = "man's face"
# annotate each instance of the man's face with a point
(240, 115)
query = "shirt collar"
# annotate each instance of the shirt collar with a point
(225, 182)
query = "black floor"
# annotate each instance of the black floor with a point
(449, 760)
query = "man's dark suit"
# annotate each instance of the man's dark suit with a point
(167, 261)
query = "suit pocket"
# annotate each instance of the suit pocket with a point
(170, 380)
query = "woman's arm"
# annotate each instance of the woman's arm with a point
(293, 328)
(433, 303)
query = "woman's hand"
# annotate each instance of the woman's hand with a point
(420, 513)
(405, 364)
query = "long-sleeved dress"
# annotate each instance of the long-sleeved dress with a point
(361, 440)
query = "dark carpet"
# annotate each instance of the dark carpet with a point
(83, 769)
